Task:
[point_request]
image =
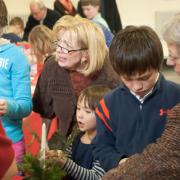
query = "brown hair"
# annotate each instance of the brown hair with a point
(89, 2)
(17, 21)
(135, 50)
(3, 14)
(92, 95)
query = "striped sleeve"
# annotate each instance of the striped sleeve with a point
(79, 173)
(68, 151)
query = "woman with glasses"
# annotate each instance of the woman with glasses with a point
(81, 60)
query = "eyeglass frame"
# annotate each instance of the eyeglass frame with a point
(67, 51)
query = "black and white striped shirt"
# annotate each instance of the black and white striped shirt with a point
(80, 173)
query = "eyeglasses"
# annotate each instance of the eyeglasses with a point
(67, 51)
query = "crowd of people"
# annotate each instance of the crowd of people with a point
(105, 82)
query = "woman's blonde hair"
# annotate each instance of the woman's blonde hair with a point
(40, 39)
(88, 35)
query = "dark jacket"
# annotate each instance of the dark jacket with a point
(159, 161)
(12, 37)
(126, 126)
(54, 95)
(49, 21)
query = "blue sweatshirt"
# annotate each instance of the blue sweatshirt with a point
(125, 126)
(14, 88)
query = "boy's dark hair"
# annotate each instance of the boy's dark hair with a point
(92, 95)
(90, 2)
(3, 14)
(134, 50)
(17, 21)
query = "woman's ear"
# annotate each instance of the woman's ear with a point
(83, 60)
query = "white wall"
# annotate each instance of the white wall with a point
(142, 12)
(135, 12)
(132, 12)
(22, 6)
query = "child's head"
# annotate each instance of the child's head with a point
(18, 25)
(87, 102)
(90, 8)
(136, 55)
(40, 39)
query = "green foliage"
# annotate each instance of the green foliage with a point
(59, 141)
(35, 169)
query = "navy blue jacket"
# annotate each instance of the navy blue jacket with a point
(125, 126)
(12, 37)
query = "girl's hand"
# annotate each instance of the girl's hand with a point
(3, 106)
(57, 157)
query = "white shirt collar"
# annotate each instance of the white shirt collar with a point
(141, 99)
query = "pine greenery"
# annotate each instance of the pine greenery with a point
(35, 169)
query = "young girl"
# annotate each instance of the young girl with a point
(79, 162)
(15, 90)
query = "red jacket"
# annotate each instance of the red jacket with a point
(6, 152)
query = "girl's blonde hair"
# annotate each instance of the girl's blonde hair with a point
(88, 35)
(40, 39)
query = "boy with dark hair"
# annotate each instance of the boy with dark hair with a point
(133, 116)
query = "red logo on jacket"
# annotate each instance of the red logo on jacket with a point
(164, 112)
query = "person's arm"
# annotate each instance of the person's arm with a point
(105, 141)
(21, 104)
(73, 169)
(42, 101)
(78, 172)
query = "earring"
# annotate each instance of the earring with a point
(83, 61)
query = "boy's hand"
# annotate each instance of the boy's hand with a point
(3, 107)
(57, 157)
